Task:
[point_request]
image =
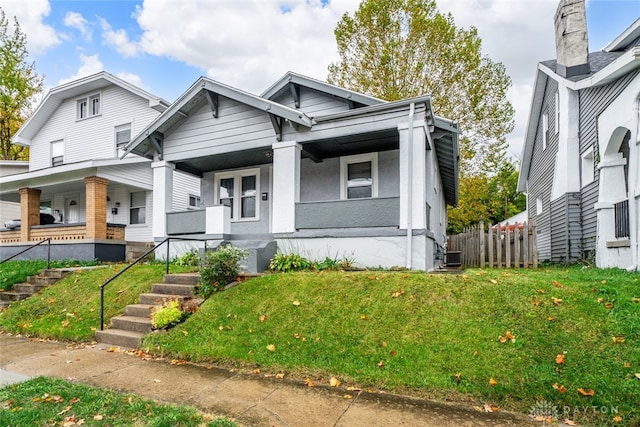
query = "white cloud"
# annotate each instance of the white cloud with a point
(30, 15)
(133, 79)
(119, 39)
(90, 64)
(77, 21)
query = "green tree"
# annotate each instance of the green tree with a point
(19, 83)
(395, 49)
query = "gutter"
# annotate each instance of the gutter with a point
(410, 189)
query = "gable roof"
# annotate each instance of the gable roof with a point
(283, 85)
(58, 94)
(143, 144)
(617, 59)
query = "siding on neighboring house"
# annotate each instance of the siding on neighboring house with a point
(238, 127)
(184, 185)
(541, 173)
(93, 137)
(315, 103)
(139, 175)
(593, 101)
(566, 228)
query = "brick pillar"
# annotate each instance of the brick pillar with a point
(29, 211)
(96, 193)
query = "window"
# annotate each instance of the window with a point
(545, 130)
(557, 112)
(88, 106)
(137, 207)
(359, 176)
(586, 167)
(57, 153)
(194, 201)
(122, 136)
(538, 206)
(45, 207)
(239, 191)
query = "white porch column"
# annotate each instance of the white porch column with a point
(286, 186)
(162, 196)
(414, 175)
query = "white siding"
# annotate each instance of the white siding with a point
(183, 185)
(139, 173)
(314, 103)
(237, 127)
(8, 211)
(140, 232)
(91, 138)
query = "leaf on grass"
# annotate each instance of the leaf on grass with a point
(569, 422)
(540, 291)
(494, 281)
(560, 388)
(635, 299)
(397, 293)
(457, 377)
(178, 362)
(492, 382)
(363, 317)
(74, 400)
(353, 389)
(381, 364)
(98, 417)
(296, 303)
(617, 419)
(556, 301)
(334, 382)
(608, 305)
(584, 392)
(551, 318)
(627, 365)
(637, 375)
(262, 318)
(256, 371)
(271, 347)
(556, 284)
(65, 410)
(618, 339)
(507, 337)
(348, 396)
(490, 408)
(560, 359)
(280, 375)
(309, 383)
(536, 303)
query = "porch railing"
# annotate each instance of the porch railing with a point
(61, 233)
(48, 240)
(139, 259)
(621, 215)
(374, 212)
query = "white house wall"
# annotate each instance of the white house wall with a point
(93, 137)
(184, 184)
(8, 211)
(139, 174)
(238, 127)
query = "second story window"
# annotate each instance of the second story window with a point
(57, 153)
(88, 106)
(122, 136)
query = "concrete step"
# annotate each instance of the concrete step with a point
(173, 289)
(28, 288)
(183, 279)
(57, 273)
(120, 338)
(138, 310)
(41, 280)
(131, 323)
(13, 296)
(157, 299)
(4, 304)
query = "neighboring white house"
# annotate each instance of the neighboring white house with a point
(99, 201)
(315, 168)
(580, 158)
(11, 210)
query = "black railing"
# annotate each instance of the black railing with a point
(140, 258)
(48, 240)
(621, 214)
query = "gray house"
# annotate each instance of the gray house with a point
(580, 158)
(310, 167)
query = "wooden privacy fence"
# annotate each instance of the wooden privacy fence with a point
(510, 245)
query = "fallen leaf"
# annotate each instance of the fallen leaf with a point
(536, 303)
(457, 376)
(221, 328)
(280, 375)
(551, 318)
(569, 422)
(627, 365)
(609, 305)
(363, 317)
(353, 389)
(556, 301)
(348, 396)
(256, 371)
(617, 419)
(296, 303)
(111, 349)
(604, 282)
(487, 408)
(334, 382)
(185, 333)
(271, 347)
(398, 293)
(635, 299)
(618, 339)
(492, 382)
(65, 410)
(381, 364)
(309, 383)
(586, 392)
(556, 284)
(560, 359)
(262, 318)
(540, 291)
(561, 388)
(637, 375)
(74, 400)
(156, 381)
(507, 337)
(494, 281)
(296, 336)
(98, 417)
(178, 362)
(393, 353)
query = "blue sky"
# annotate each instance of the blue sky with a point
(165, 45)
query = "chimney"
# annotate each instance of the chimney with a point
(572, 44)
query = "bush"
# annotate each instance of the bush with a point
(167, 314)
(190, 258)
(219, 268)
(289, 262)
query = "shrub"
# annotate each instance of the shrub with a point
(219, 268)
(289, 262)
(334, 264)
(167, 314)
(190, 258)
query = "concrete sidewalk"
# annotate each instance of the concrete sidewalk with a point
(251, 400)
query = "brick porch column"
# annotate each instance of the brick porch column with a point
(29, 211)
(96, 193)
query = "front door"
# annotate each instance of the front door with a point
(72, 210)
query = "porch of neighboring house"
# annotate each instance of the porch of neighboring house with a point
(92, 239)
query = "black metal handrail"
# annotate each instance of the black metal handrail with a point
(140, 258)
(48, 239)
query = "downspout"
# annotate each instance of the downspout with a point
(410, 189)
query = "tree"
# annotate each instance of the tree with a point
(19, 83)
(395, 49)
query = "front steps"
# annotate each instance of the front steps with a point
(33, 285)
(127, 331)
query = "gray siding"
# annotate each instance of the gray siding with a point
(315, 103)
(376, 212)
(541, 174)
(566, 228)
(189, 222)
(593, 101)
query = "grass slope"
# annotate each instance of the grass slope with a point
(13, 272)
(436, 336)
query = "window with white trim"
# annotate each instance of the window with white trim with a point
(538, 206)
(88, 106)
(239, 190)
(359, 176)
(194, 201)
(545, 130)
(137, 207)
(122, 137)
(586, 167)
(57, 153)
(557, 112)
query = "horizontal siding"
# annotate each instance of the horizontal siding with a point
(94, 137)
(314, 103)
(8, 211)
(139, 173)
(238, 126)
(183, 186)
(566, 229)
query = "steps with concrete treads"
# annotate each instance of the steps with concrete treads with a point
(127, 331)
(34, 284)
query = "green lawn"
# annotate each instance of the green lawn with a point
(426, 335)
(47, 402)
(12, 272)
